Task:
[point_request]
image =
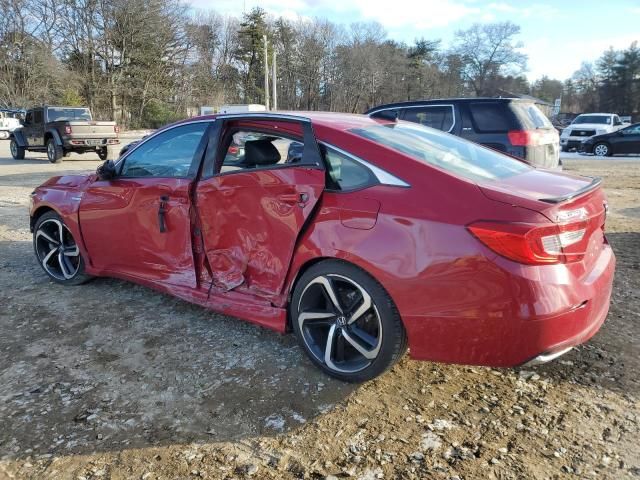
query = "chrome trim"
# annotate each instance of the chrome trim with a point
(265, 115)
(546, 357)
(453, 111)
(383, 176)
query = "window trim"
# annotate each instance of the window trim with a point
(205, 138)
(404, 108)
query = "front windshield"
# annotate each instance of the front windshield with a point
(68, 114)
(604, 119)
(444, 151)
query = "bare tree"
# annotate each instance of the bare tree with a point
(488, 51)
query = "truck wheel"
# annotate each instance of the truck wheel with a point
(54, 152)
(17, 152)
(103, 153)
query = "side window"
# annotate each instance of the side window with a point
(29, 118)
(491, 117)
(247, 149)
(436, 116)
(345, 173)
(635, 130)
(37, 117)
(168, 154)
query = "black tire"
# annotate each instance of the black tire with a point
(602, 149)
(51, 250)
(17, 152)
(103, 153)
(379, 325)
(54, 151)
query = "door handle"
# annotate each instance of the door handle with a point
(162, 210)
(294, 198)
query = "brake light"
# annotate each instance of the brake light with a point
(67, 129)
(116, 129)
(534, 244)
(531, 138)
(233, 150)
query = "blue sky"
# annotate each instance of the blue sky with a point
(557, 35)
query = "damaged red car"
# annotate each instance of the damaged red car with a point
(363, 236)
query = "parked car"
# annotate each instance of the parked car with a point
(60, 131)
(382, 234)
(587, 125)
(625, 140)
(513, 126)
(9, 121)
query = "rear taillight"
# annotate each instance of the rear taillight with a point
(534, 244)
(531, 138)
(233, 150)
(67, 129)
(116, 129)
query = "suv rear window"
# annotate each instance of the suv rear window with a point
(531, 116)
(446, 152)
(68, 114)
(491, 117)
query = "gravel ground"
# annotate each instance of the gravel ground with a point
(111, 380)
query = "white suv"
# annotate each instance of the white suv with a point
(8, 123)
(587, 125)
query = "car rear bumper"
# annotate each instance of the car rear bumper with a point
(548, 320)
(90, 142)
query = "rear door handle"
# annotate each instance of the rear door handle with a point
(162, 210)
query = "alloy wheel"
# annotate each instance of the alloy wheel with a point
(14, 149)
(51, 151)
(340, 323)
(601, 150)
(56, 250)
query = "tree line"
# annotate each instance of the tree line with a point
(147, 62)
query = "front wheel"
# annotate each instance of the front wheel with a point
(602, 150)
(54, 151)
(346, 322)
(17, 152)
(57, 251)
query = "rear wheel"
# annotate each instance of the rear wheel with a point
(54, 151)
(346, 322)
(57, 250)
(103, 153)
(17, 152)
(602, 149)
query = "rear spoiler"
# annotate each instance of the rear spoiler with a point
(595, 182)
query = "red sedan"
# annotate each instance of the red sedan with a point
(363, 236)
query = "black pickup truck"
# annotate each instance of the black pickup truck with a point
(61, 130)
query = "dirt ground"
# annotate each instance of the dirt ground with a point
(111, 381)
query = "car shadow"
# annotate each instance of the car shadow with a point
(111, 365)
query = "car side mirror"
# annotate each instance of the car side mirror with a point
(107, 171)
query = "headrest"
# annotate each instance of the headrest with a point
(260, 152)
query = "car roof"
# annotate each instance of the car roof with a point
(450, 100)
(597, 113)
(334, 120)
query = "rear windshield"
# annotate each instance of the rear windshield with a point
(62, 114)
(444, 151)
(531, 116)
(604, 119)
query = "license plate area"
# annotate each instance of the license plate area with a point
(94, 143)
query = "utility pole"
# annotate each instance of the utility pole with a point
(274, 82)
(266, 74)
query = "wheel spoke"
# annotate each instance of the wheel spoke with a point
(47, 257)
(327, 286)
(72, 251)
(328, 349)
(363, 308)
(47, 237)
(315, 319)
(60, 232)
(355, 342)
(66, 269)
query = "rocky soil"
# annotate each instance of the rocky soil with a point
(111, 381)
